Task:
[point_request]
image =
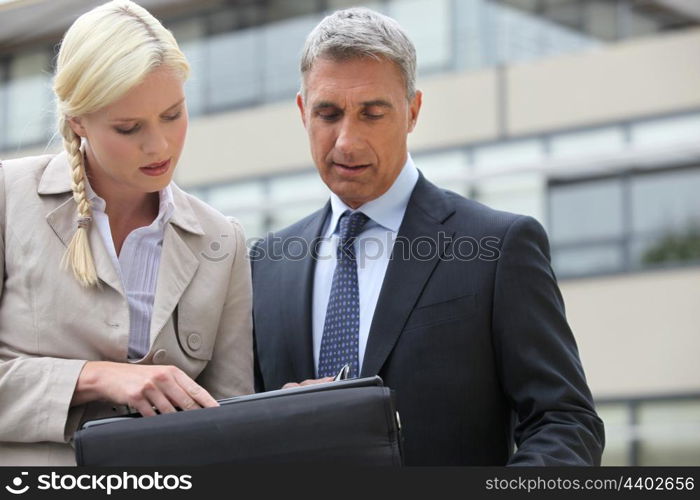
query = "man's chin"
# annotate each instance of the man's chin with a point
(351, 197)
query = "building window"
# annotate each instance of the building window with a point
(447, 169)
(232, 75)
(433, 40)
(669, 432)
(665, 217)
(520, 193)
(283, 42)
(607, 20)
(267, 204)
(293, 197)
(603, 141)
(29, 109)
(631, 221)
(277, 10)
(190, 37)
(662, 431)
(586, 226)
(3, 102)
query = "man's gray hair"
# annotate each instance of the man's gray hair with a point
(361, 32)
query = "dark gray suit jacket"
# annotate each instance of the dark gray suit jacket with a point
(469, 330)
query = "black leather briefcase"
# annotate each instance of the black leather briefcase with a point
(350, 422)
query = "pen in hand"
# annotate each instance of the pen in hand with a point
(343, 373)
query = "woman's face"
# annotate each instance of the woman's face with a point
(133, 144)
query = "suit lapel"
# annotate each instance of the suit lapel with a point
(104, 266)
(178, 264)
(64, 219)
(406, 278)
(177, 268)
(298, 274)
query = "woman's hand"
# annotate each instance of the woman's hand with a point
(143, 387)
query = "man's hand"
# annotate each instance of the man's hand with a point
(142, 387)
(311, 381)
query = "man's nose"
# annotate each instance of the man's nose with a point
(349, 140)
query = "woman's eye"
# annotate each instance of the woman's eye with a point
(127, 131)
(173, 116)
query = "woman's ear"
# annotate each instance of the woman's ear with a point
(77, 126)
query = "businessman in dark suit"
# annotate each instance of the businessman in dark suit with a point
(453, 304)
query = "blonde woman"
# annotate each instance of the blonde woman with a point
(120, 291)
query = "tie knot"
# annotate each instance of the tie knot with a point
(351, 224)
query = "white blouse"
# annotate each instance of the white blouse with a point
(137, 265)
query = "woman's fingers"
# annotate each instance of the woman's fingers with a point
(171, 388)
(145, 388)
(197, 396)
(159, 401)
(141, 404)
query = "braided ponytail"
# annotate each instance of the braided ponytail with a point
(105, 53)
(78, 256)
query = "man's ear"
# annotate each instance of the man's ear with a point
(414, 110)
(77, 126)
(300, 105)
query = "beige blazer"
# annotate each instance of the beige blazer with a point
(50, 326)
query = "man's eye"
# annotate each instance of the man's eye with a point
(373, 116)
(329, 117)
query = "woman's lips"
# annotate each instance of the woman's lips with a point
(156, 169)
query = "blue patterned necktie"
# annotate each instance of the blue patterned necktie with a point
(341, 330)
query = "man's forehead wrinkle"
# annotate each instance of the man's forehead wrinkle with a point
(343, 101)
(334, 85)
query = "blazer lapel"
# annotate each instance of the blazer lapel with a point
(298, 274)
(104, 266)
(406, 278)
(64, 219)
(178, 264)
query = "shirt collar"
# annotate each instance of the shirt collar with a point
(387, 210)
(166, 206)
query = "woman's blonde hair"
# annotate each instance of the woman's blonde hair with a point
(105, 53)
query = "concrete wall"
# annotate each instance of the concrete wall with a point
(628, 80)
(255, 141)
(638, 334)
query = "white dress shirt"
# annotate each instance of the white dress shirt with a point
(373, 248)
(137, 265)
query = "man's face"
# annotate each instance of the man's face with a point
(358, 118)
